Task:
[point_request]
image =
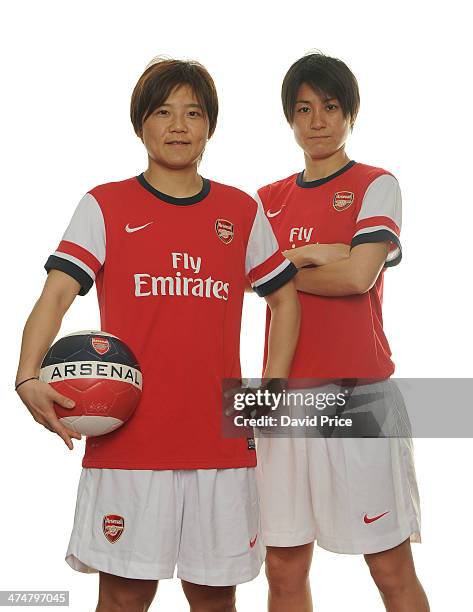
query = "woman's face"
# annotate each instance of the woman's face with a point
(176, 132)
(319, 126)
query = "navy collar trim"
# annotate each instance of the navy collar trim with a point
(308, 184)
(198, 197)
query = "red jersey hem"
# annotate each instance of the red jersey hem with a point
(171, 465)
(304, 382)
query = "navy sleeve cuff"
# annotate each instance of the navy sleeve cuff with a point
(64, 265)
(277, 282)
(380, 236)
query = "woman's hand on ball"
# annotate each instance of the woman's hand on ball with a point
(39, 398)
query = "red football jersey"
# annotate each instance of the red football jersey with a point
(170, 276)
(340, 337)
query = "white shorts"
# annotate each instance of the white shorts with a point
(350, 495)
(142, 523)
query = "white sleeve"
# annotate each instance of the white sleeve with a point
(380, 217)
(81, 252)
(265, 265)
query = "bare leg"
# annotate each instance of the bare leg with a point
(394, 574)
(287, 570)
(117, 594)
(203, 598)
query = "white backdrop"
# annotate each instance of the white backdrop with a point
(68, 70)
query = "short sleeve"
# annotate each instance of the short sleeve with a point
(81, 252)
(265, 265)
(380, 217)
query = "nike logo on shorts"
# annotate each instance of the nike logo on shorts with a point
(374, 518)
(135, 229)
(253, 542)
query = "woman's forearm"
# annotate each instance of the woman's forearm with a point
(351, 276)
(44, 322)
(41, 327)
(282, 338)
(332, 280)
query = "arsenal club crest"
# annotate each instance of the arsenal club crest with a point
(224, 230)
(101, 345)
(113, 526)
(343, 200)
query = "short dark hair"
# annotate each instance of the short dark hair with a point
(326, 75)
(160, 78)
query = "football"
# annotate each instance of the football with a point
(100, 373)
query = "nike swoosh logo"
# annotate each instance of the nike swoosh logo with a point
(274, 214)
(374, 518)
(135, 229)
(253, 542)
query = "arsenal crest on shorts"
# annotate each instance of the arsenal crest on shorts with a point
(113, 526)
(343, 199)
(224, 230)
(100, 345)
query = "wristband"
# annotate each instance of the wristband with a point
(26, 380)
